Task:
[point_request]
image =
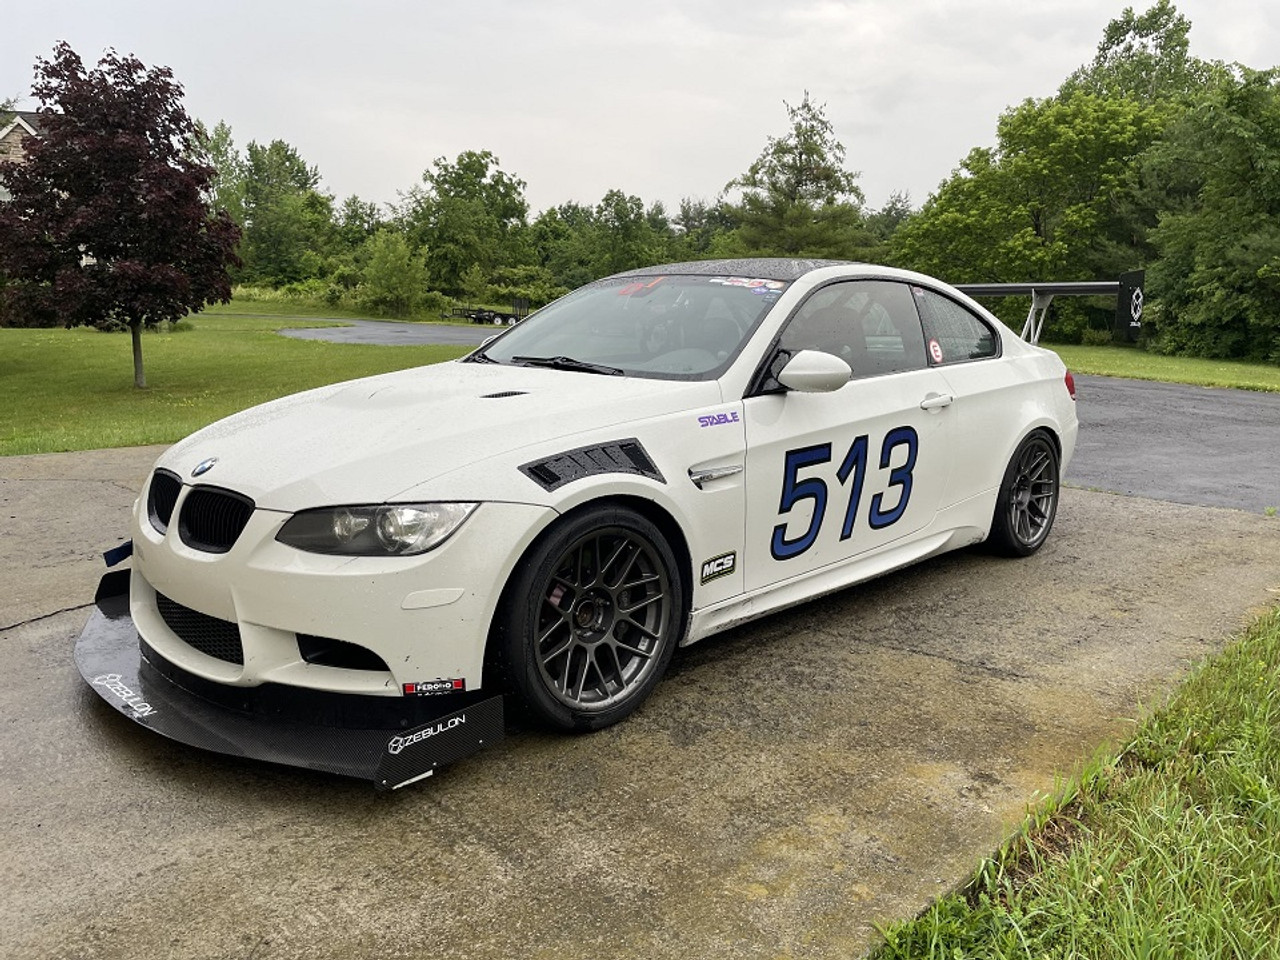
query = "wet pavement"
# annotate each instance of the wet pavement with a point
(392, 334)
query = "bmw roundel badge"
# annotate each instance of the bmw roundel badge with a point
(203, 467)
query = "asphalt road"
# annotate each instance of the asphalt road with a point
(790, 784)
(392, 334)
(1217, 448)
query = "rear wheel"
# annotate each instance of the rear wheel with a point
(1028, 499)
(592, 619)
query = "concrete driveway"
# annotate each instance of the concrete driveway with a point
(789, 785)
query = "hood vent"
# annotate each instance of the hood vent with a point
(619, 456)
(504, 393)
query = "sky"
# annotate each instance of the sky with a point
(661, 99)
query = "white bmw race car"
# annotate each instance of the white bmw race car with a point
(356, 578)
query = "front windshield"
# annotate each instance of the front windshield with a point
(681, 327)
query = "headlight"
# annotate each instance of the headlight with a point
(392, 529)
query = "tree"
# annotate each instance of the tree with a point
(696, 227)
(1144, 56)
(626, 237)
(563, 241)
(229, 171)
(358, 220)
(109, 222)
(1052, 201)
(394, 280)
(288, 220)
(896, 211)
(797, 198)
(1218, 276)
(468, 212)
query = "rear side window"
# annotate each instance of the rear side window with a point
(954, 332)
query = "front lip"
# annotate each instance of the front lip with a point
(388, 741)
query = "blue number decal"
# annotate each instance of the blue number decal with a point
(854, 465)
(899, 477)
(856, 461)
(793, 491)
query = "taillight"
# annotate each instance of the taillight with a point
(1071, 384)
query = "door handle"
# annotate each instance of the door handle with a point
(936, 401)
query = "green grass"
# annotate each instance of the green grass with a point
(1170, 847)
(1141, 365)
(73, 389)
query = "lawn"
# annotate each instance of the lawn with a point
(1140, 365)
(73, 389)
(1168, 847)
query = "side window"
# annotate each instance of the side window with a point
(953, 331)
(870, 324)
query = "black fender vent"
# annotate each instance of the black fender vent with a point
(216, 638)
(504, 393)
(212, 519)
(620, 456)
(161, 498)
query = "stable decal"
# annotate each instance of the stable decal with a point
(717, 419)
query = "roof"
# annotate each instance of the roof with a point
(27, 119)
(765, 268)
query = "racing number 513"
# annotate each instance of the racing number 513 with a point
(854, 466)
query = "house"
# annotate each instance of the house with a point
(22, 124)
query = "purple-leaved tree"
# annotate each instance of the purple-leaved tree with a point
(109, 222)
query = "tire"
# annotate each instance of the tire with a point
(1028, 498)
(591, 619)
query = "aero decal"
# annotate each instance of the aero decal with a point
(396, 744)
(132, 700)
(720, 566)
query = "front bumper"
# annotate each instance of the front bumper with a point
(390, 741)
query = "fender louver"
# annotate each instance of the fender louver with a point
(620, 456)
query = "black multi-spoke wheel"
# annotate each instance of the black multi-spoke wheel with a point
(1028, 498)
(592, 619)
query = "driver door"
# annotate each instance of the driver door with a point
(834, 476)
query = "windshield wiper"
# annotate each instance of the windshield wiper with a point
(567, 363)
(478, 358)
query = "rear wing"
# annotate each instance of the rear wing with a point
(1127, 291)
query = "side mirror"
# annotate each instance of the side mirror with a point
(812, 371)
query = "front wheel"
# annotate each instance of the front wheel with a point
(591, 619)
(1028, 499)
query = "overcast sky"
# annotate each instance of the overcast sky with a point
(661, 99)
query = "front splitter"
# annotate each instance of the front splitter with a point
(390, 752)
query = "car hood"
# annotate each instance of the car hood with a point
(372, 440)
